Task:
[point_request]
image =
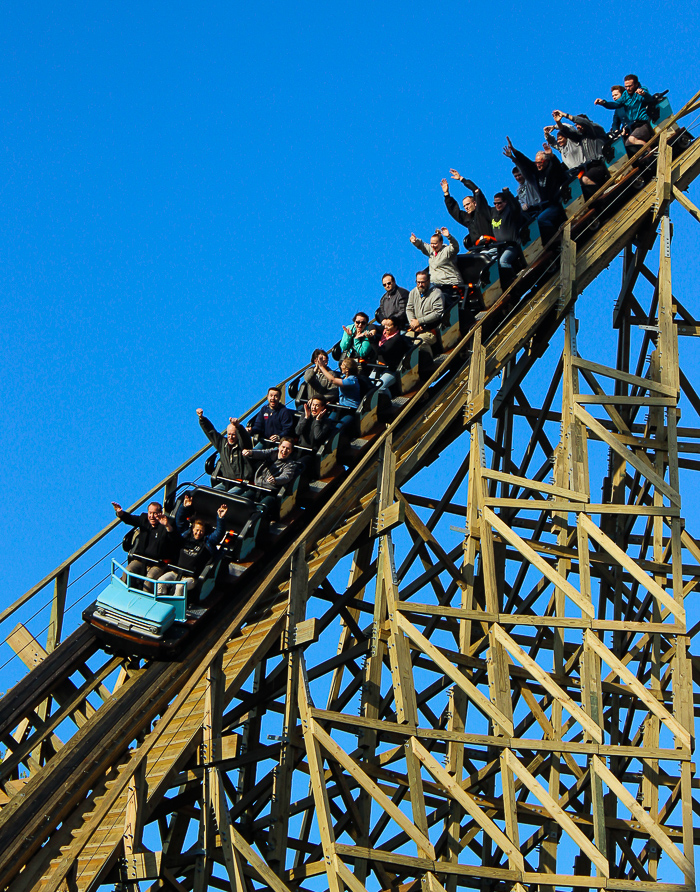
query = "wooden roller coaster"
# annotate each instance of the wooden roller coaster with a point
(480, 678)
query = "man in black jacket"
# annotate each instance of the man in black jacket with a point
(547, 174)
(154, 542)
(476, 217)
(507, 221)
(230, 447)
(393, 303)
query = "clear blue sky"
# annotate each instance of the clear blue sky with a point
(194, 197)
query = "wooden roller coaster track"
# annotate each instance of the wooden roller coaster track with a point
(499, 703)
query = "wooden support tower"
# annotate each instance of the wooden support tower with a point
(472, 668)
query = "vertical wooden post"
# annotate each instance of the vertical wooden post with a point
(371, 689)
(567, 270)
(170, 487)
(458, 713)
(565, 477)
(682, 684)
(318, 784)
(210, 752)
(247, 776)
(53, 637)
(360, 564)
(133, 821)
(282, 786)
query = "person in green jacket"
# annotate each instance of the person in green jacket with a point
(355, 343)
(634, 101)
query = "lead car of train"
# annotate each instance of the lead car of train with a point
(157, 624)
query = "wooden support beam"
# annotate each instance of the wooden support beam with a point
(651, 703)
(133, 823)
(656, 832)
(557, 813)
(318, 786)
(548, 684)
(536, 485)
(638, 462)
(567, 270)
(232, 860)
(339, 754)
(260, 867)
(539, 563)
(620, 557)
(468, 803)
(459, 678)
(282, 786)
(683, 199)
(58, 603)
(618, 375)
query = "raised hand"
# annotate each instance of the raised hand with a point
(200, 412)
(222, 510)
(547, 148)
(187, 500)
(508, 148)
(414, 238)
(455, 174)
(117, 508)
(598, 102)
(445, 232)
(557, 115)
(445, 187)
(307, 411)
(233, 421)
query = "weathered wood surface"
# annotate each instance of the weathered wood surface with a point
(111, 777)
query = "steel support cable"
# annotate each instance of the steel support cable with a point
(80, 598)
(18, 653)
(66, 610)
(35, 589)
